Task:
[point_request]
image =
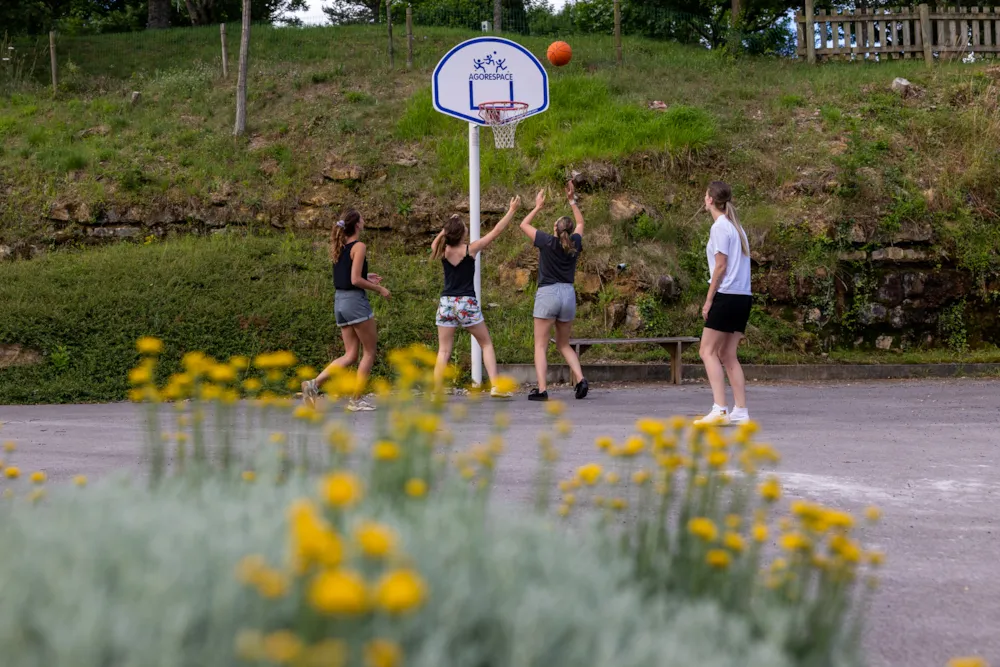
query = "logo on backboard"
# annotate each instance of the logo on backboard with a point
(490, 68)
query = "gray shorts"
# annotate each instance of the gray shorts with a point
(351, 307)
(556, 302)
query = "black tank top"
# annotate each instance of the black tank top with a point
(460, 280)
(342, 269)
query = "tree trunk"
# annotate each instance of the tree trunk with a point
(241, 81)
(159, 14)
(200, 11)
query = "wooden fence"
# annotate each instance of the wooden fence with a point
(910, 32)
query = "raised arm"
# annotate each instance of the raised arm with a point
(357, 264)
(481, 244)
(436, 250)
(577, 213)
(526, 225)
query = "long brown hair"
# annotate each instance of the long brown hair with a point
(343, 230)
(454, 234)
(722, 199)
(563, 227)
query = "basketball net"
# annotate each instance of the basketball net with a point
(502, 118)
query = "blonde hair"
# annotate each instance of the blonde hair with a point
(563, 227)
(454, 233)
(722, 199)
(343, 229)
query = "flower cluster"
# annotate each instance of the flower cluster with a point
(343, 568)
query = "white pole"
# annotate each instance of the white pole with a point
(477, 352)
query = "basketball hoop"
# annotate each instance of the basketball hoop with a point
(502, 118)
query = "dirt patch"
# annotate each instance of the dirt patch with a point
(12, 355)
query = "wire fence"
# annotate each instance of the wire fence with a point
(123, 55)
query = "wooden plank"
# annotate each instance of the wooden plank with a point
(906, 33)
(975, 30)
(917, 36)
(835, 33)
(800, 31)
(810, 34)
(963, 29)
(996, 26)
(824, 44)
(987, 31)
(849, 28)
(871, 36)
(952, 33)
(634, 341)
(886, 46)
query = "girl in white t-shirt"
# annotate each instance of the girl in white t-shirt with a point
(727, 306)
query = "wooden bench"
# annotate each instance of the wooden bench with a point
(674, 345)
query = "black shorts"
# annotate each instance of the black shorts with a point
(729, 313)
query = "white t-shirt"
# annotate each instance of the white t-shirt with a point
(725, 238)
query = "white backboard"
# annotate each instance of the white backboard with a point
(488, 69)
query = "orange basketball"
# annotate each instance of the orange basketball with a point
(560, 53)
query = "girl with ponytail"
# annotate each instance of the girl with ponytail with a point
(555, 301)
(459, 306)
(727, 306)
(351, 308)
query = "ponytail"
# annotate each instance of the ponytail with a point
(452, 235)
(343, 230)
(563, 227)
(731, 216)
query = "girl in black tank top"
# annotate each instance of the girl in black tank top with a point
(459, 304)
(351, 309)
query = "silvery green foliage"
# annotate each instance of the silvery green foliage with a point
(119, 576)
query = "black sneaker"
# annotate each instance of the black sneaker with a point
(536, 395)
(582, 388)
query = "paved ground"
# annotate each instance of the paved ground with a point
(925, 451)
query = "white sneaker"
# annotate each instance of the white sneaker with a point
(717, 417)
(496, 393)
(310, 393)
(360, 405)
(739, 416)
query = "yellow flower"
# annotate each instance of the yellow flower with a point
(249, 475)
(305, 373)
(252, 385)
(400, 591)
(341, 489)
(569, 499)
(506, 384)
(340, 592)
(717, 459)
(733, 521)
(195, 363)
(969, 661)
(222, 373)
(718, 558)
(873, 514)
(846, 548)
(651, 427)
(38, 477)
(604, 443)
(759, 532)
(274, 360)
(555, 408)
(140, 375)
(282, 647)
(716, 441)
(563, 427)
(839, 519)
(703, 528)
(13, 472)
(326, 653)
(733, 542)
(563, 510)
(770, 490)
(313, 541)
(375, 540)
(239, 362)
(589, 474)
(80, 480)
(640, 477)
(270, 584)
(385, 450)
(249, 567)
(612, 478)
(795, 542)
(383, 653)
(149, 345)
(632, 447)
(277, 438)
(876, 558)
(618, 504)
(416, 488)
(305, 413)
(36, 495)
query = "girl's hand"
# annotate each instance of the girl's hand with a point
(386, 294)
(571, 192)
(540, 199)
(374, 278)
(706, 309)
(515, 203)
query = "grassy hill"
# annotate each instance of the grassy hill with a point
(872, 214)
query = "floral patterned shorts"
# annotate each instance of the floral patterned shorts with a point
(459, 311)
